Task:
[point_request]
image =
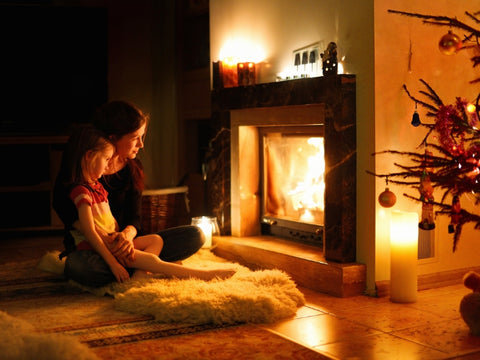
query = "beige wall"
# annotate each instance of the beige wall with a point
(449, 77)
(376, 45)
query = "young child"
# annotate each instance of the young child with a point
(90, 159)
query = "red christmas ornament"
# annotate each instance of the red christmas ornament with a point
(387, 198)
(450, 43)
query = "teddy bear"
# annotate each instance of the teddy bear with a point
(470, 304)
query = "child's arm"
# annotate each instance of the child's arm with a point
(87, 226)
(104, 236)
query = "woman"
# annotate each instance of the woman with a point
(124, 125)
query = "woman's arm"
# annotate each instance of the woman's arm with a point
(120, 244)
(123, 247)
(125, 198)
(88, 229)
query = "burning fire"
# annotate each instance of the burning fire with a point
(308, 194)
(295, 177)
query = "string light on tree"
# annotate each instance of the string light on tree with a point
(471, 108)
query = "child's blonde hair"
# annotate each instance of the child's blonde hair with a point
(84, 140)
(100, 146)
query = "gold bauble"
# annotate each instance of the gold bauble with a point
(450, 43)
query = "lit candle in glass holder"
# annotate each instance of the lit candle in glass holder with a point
(404, 256)
(208, 226)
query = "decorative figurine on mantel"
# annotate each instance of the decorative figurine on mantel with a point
(329, 60)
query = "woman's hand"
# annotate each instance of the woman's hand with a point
(122, 246)
(121, 274)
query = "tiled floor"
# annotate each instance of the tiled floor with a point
(359, 327)
(375, 328)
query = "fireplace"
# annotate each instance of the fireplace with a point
(289, 188)
(254, 122)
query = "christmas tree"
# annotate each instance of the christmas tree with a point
(450, 160)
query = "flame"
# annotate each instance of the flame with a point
(308, 194)
(307, 216)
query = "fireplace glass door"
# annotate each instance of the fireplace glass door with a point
(293, 166)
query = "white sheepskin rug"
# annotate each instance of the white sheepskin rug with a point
(20, 341)
(257, 297)
(262, 296)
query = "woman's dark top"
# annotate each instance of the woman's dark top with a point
(125, 200)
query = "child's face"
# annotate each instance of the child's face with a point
(100, 162)
(129, 145)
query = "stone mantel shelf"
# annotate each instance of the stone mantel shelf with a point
(283, 93)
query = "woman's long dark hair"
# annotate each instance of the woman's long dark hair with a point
(117, 119)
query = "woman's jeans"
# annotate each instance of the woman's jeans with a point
(88, 268)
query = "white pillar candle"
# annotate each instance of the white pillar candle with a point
(403, 256)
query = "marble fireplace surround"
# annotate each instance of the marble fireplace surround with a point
(325, 100)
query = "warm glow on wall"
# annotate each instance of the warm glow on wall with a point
(239, 50)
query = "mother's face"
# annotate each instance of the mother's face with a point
(129, 145)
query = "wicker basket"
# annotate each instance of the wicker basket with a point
(165, 208)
